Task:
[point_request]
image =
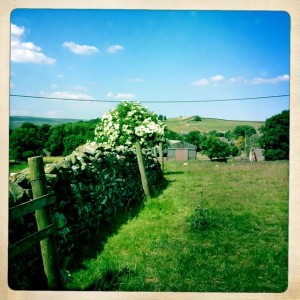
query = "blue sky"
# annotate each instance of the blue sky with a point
(141, 55)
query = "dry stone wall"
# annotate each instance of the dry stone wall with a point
(92, 185)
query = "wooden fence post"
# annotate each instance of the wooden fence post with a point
(161, 156)
(155, 151)
(142, 169)
(48, 249)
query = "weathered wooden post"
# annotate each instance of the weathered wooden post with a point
(48, 249)
(142, 169)
(155, 151)
(161, 156)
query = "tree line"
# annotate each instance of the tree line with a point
(60, 140)
(273, 137)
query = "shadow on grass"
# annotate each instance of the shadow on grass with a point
(93, 240)
(173, 172)
(110, 280)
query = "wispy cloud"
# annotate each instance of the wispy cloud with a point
(139, 80)
(67, 95)
(21, 112)
(123, 96)
(26, 52)
(217, 78)
(206, 81)
(237, 79)
(114, 49)
(274, 80)
(200, 82)
(52, 113)
(80, 49)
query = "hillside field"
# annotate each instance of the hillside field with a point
(17, 121)
(180, 125)
(185, 125)
(217, 227)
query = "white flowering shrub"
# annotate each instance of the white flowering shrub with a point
(127, 124)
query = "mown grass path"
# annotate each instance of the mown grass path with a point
(245, 248)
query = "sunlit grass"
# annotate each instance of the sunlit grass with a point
(245, 248)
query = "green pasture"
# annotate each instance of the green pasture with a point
(217, 227)
(187, 124)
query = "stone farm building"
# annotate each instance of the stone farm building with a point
(256, 154)
(179, 150)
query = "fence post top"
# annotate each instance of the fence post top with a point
(35, 158)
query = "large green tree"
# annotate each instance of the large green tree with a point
(213, 147)
(172, 135)
(25, 142)
(275, 138)
(244, 130)
(194, 137)
(55, 141)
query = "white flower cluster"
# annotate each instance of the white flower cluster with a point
(127, 124)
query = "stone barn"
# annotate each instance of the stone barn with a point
(179, 150)
(256, 154)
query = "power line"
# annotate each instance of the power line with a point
(152, 101)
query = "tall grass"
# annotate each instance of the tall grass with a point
(244, 248)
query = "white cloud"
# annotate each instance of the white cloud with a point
(26, 52)
(67, 95)
(16, 31)
(53, 113)
(80, 49)
(139, 80)
(115, 48)
(206, 81)
(217, 78)
(201, 82)
(21, 113)
(124, 96)
(236, 79)
(274, 80)
(121, 96)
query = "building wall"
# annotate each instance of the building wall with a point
(181, 154)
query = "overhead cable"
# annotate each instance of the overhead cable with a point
(150, 101)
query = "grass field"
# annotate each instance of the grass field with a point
(241, 247)
(187, 124)
(18, 167)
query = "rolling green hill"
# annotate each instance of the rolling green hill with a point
(184, 125)
(180, 125)
(16, 121)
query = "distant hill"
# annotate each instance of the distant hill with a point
(187, 124)
(16, 121)
(180, 125)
